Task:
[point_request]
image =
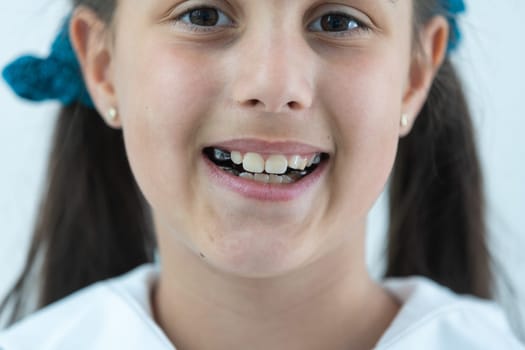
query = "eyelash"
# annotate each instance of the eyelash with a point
(198, 28)
(359, 25)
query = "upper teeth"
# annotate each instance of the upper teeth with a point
(253, 162)
(274, 164)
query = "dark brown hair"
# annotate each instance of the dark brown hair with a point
(436, 202)
(95, 224)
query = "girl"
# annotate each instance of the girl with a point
(246, 141)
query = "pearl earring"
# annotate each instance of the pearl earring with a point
(112, 114)
(404, 120)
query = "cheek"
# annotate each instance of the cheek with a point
(167, 92)
(163, 100)
(365, 108)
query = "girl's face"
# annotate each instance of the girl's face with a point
(273, 84)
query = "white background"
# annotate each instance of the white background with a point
(492, 61)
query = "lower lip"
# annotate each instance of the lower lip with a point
(262, 191)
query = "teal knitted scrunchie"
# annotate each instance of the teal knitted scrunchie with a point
(453, 8)
(58, 77)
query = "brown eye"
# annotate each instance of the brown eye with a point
(336, 23)
(205, 17)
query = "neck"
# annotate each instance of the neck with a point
(329, 304)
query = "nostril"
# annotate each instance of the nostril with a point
(250, 103)
(294, 105)
(253, 102)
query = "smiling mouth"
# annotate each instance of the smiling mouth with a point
(272, 169)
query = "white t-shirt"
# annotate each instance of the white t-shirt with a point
(116, 314)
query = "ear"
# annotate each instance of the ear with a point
(90, 38)
(426, 61)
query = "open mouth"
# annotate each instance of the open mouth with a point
(273, 169)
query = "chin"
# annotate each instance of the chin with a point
(256, 255)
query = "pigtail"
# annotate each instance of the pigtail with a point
(93, 222)
(437, 226)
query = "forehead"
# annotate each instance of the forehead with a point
(373, 8)
(270, 3)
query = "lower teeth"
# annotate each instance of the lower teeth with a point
(265, 178)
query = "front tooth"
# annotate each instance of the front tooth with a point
(236, 157)
(246, 176)
(276, 179)
(253, 162)
(287, 179)
(297, 162)
(265, 178)
(276, 164)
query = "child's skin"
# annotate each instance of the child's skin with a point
(241, 271)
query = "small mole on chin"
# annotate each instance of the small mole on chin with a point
(202, 256)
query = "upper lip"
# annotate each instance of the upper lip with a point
(268, 147)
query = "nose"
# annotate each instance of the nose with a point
(273, 74)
